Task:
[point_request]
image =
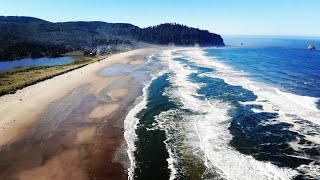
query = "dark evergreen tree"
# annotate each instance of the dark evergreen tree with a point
(31, 37)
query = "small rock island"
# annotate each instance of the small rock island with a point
(311, 47)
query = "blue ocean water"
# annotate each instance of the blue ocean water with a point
(238, 112)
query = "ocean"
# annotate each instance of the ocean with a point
(236, 112)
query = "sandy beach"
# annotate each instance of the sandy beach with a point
(70, 126)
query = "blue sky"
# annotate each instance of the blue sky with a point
(226, 17)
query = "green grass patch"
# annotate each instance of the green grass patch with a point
(75, 53)
(18, 78)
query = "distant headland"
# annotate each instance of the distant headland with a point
(22, 37)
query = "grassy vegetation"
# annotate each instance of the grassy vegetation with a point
(75, 53)
(18, 78)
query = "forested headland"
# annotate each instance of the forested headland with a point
(22, 37)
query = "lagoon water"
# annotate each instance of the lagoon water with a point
(249, 112)
(7, 65)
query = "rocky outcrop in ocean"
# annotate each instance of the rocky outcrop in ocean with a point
(311, 47)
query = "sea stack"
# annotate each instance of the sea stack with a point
(311, 47)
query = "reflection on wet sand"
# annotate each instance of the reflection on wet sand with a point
(80, 136)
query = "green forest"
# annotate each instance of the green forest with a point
(22, 37)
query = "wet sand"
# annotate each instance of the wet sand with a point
(71, 126)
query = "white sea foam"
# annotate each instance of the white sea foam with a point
(302, 106)
(311, 170)
(300, 111)
(291, 108)
(131, 123)
(130, 126)
(208, 134)
(166, 123)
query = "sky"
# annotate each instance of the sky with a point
(226, 17)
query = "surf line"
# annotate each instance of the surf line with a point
(210, 122)
(131, 122)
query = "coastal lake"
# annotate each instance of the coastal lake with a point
(7, 65)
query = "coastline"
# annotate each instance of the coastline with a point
(70, 126)
(19, 78)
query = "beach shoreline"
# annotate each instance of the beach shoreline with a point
(75, 118)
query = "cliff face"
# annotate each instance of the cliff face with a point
(19, 31)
